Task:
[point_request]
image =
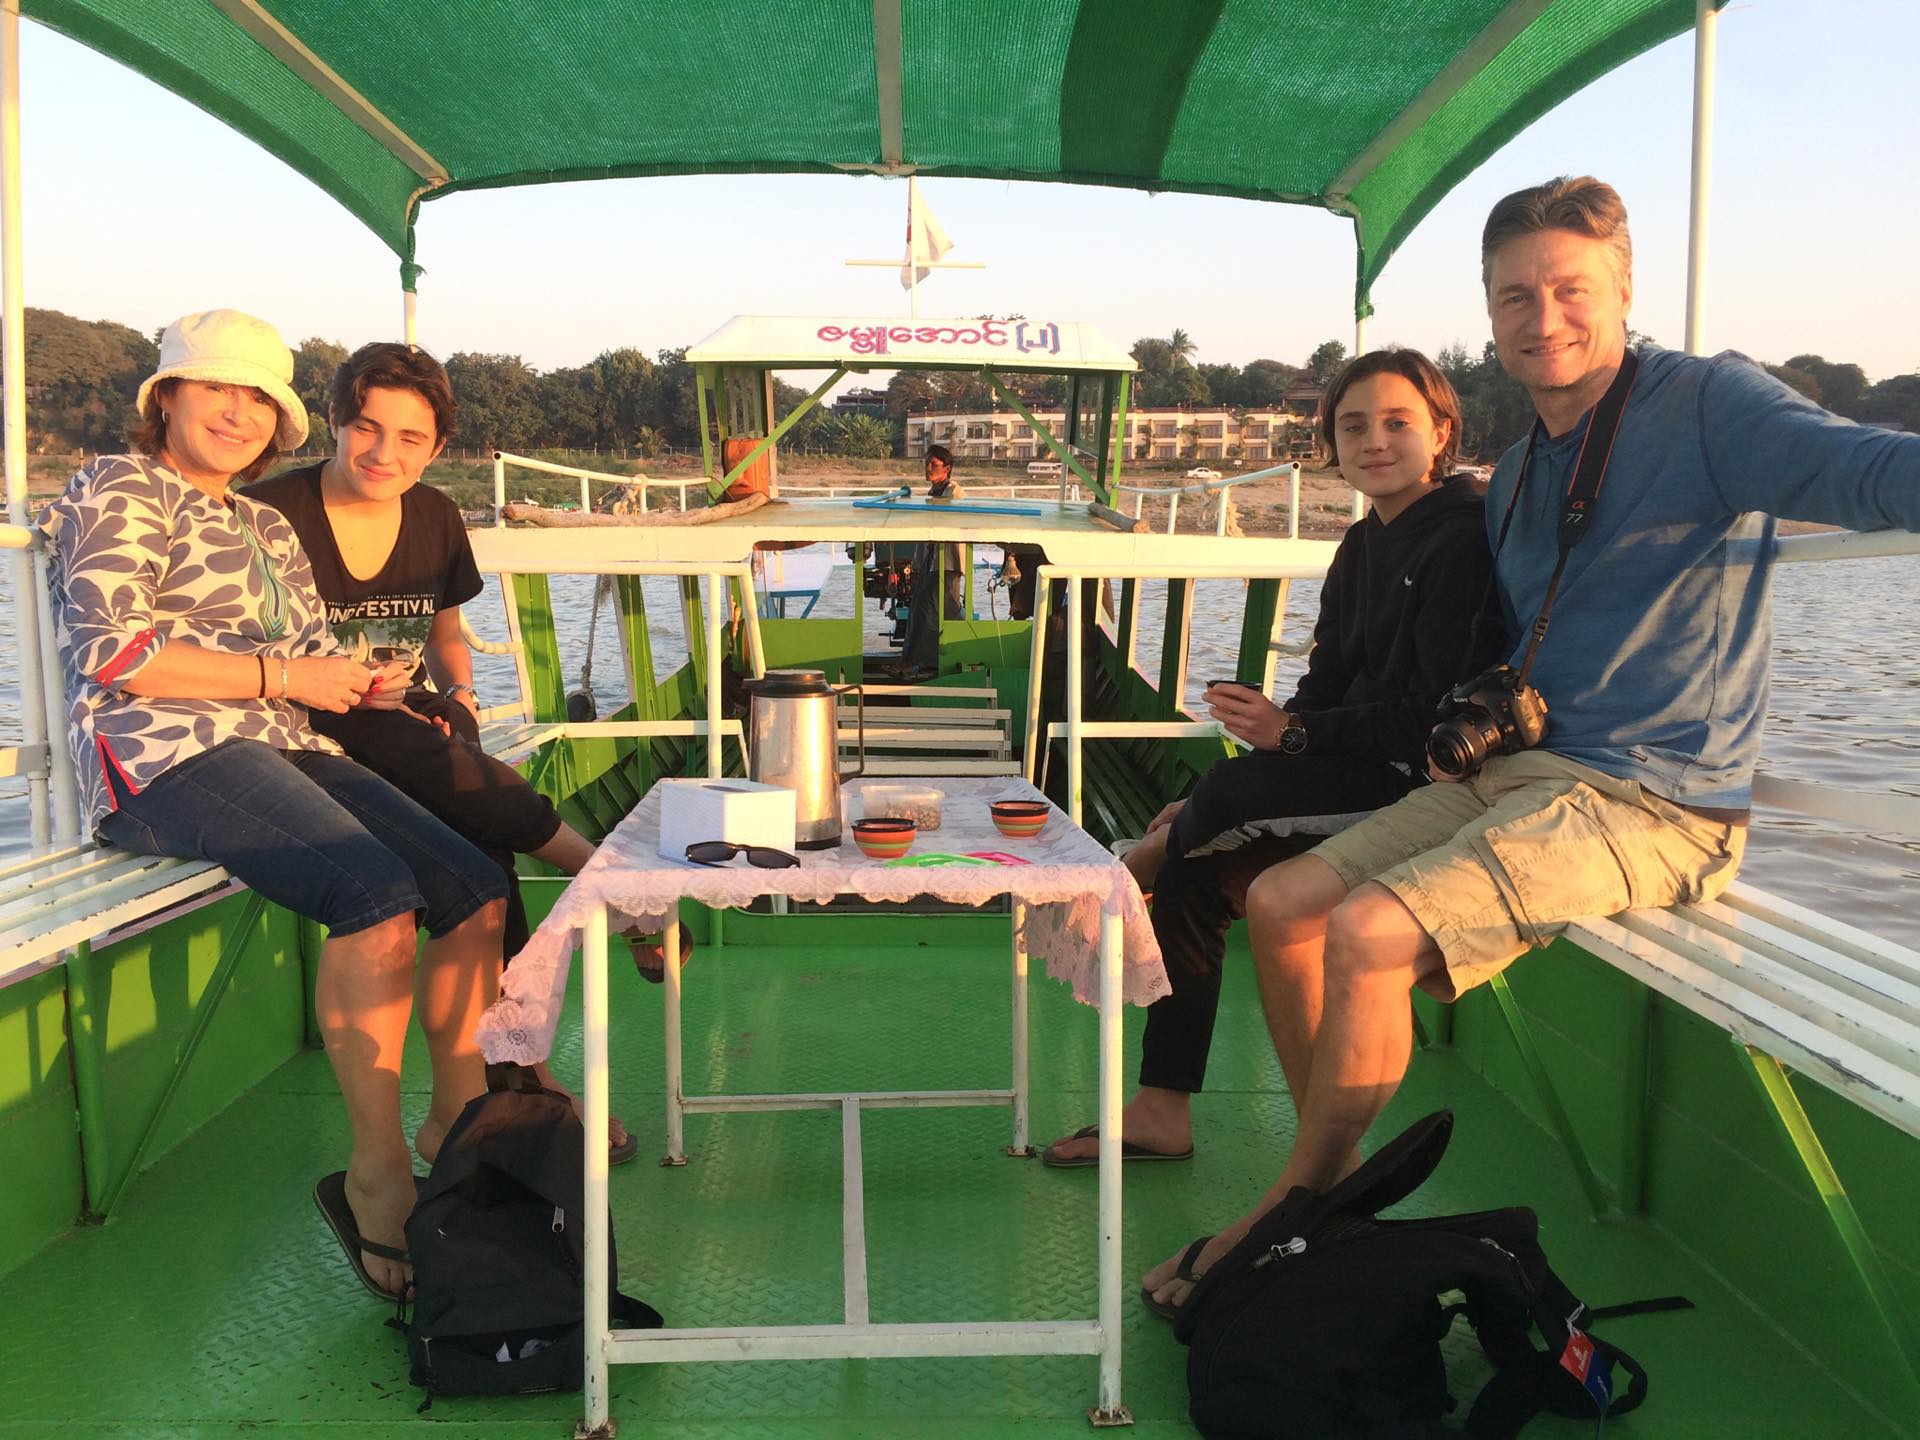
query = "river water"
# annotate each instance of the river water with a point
(1845, 707)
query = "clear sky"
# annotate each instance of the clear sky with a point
(141, 208)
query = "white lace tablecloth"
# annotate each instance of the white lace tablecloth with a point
(1067, 886)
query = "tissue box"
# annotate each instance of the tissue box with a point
(744, 812)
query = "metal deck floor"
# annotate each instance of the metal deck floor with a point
(215, 1303)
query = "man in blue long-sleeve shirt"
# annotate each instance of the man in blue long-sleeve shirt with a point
(1654, 669)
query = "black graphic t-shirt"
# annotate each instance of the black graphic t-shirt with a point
(388, 617)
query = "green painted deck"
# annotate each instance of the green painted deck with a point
(215, 1303)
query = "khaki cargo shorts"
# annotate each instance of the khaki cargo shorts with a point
(1497, 864)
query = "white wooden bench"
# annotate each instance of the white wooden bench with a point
(58, 903)
(1798, 993)
(57, 899)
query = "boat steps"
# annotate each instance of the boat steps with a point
(928, 715)
(926, 737)
(934, 766)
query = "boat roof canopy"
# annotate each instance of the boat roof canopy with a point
(1374, 111)
(821, 342)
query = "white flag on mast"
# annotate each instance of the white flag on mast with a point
(927, 239)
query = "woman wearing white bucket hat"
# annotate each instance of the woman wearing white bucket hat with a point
(194, 645)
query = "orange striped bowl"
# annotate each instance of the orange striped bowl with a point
(1020, 819)
(884, 839)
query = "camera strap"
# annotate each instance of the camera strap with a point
(1583, 490)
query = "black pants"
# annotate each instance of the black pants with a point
(921, 646)
(1246, 815)
(473, 793)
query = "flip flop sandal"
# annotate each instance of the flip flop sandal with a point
(1128, 1151)
(625, 1150)
(330, 1195)
(649, 957)
(1182, 1271)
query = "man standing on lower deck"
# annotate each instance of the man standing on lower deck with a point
(1654, 671)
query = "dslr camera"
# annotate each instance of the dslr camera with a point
(1495, 713)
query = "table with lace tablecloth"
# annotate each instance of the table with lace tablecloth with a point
(1075, 907)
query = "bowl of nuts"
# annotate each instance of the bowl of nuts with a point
(918, 803)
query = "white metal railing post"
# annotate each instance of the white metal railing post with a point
(596, 1239)
(67, 821)
(586, 496)
(1173, 509)
(671, 978)
(1111, 999)
(1293, 509)
(1076, 601)
(499, 489)
(716, 596)
(1021, 1145)
(28, 596)
(1706, 21)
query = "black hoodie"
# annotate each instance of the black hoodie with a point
(1395, 613)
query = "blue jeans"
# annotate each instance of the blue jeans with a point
(315, 833)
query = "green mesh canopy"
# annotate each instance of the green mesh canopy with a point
(1370, 109)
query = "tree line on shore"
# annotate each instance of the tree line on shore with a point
(82, 376)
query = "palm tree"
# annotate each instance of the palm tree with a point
(1180, 347)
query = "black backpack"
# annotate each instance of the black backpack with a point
(498, 1249)
(1325, 1322)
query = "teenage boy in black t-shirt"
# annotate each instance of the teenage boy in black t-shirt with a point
(391, 560)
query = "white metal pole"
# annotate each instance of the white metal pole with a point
(586, 496)
(1036, 742)
(716, 597)
(1021, 1144)
(595, 1241)
(1110, 1138)
(1293, 509)
(1706, 21)
(1075, 604)
(409, 329)
(68, 822)
(499, 489)
(670, 1043)
(28, 597)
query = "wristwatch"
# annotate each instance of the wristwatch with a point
(1293, 739)
(454, 690)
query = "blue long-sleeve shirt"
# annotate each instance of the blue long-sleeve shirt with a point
(1655, 664)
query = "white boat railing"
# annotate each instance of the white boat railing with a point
(1010, 488)
(641, 483)
(1226, 482)
(50, 763)
(1881, 812)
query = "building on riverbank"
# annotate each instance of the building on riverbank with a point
(1157, 433)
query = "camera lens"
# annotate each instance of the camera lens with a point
(1452, 750)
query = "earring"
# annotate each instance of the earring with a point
(165, 418)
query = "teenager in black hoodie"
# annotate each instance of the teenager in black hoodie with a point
(1396, 612)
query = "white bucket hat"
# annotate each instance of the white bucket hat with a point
(233, 348)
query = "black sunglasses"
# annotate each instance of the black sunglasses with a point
(718, 852)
